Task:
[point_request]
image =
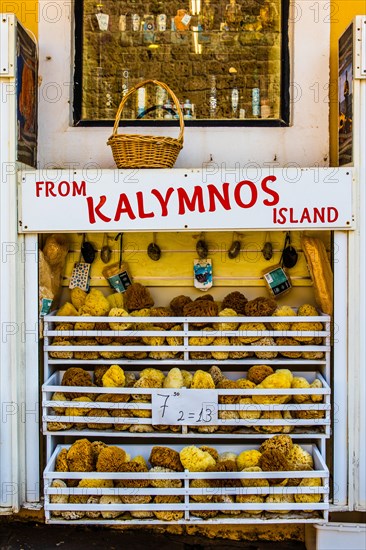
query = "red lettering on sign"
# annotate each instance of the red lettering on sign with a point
(319, 214)
(282, 218)
(305, 216)
(190, 203)
(163, 200)
(124, 207)
(96, 210)
(292, 220)
(334, 211)
(214, 193)
(49, 189)
(275, 196)
(253, 191)
(140, 206)
(39, 185)
(81, 190)
(64, 188)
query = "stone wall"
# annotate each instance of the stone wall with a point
(184, 60)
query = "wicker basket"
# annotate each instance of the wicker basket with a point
(137, 151)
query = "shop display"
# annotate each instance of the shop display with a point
(89, 480)
(113, 343)
(243, 381)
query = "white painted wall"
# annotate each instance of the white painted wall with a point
(305, 143)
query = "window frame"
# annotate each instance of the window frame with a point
(282, 121)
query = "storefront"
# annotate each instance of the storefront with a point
(261, 188)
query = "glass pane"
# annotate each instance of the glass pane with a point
(222, 59)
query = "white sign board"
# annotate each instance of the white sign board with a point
(184, 407)
(176, 200)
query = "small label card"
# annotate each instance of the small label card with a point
(183, 406)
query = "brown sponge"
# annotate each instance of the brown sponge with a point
(137, 297)
(167, 458)
(260, 307)
(274, 460)
(80, 456)
(205, 297)
(162, 312)
(178, 303)
(75, 376)
(110, 459)
(236, 301)
(258, 373)
(200, 308)
(133, 467)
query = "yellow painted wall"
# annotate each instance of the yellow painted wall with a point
(172, 274)
(342, 14)
(25, 10)
(178, 250)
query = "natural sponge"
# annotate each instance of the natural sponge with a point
(258, 373)
(174, 379)
(200, 308)
(220, 341)
(273, 460)
(248, 459)
(266, 341)
(260, 307)
(133, 467)
(283, 311)
(312, 497)
(162, 312)
(227, 312)
(278, 380)
(67, 310)
(78, 297)
(202, 380)
(196, 460)
(282, 443)
(216, 374)
(164, 483)
(96, 303)
(236, 301)
(299, 458)
(75, 376)
(116, 299)
(114, 377)
(307, 310)
(285, 341)
(62, 354)
(178, 303)
(119, 312)
(308, 326)
(137, 297)
(110, 459)
(168, 515)
(80, 456)
(256, 328)
(166, 458)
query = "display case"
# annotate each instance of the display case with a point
(227, 61)
(163, 497)
(171, 329)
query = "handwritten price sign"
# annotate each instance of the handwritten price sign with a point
(182, 406)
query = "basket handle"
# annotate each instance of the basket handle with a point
(140, 85)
